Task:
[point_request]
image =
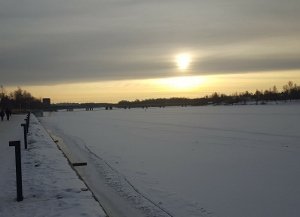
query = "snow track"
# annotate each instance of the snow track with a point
(116, 194)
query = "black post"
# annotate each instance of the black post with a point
(17, 145)
(25, 135)
(28, 117)
(27, 124)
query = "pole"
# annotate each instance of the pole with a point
(17, 145)
(28, 117)
(25, 135)
(26, 121)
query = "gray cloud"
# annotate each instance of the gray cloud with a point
(44, 42)
(240, 65)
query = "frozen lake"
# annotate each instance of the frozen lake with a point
(227, 161)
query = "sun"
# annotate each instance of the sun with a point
(183, 61)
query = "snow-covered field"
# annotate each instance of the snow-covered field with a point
(226, 161)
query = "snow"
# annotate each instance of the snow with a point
(228, 161)
(50, 187)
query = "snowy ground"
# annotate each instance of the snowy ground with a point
(227, 161)
(51, 188)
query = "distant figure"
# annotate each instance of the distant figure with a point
(2, 115)
(8, 114)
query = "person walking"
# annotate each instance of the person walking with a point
(2, 114)
(7, 112)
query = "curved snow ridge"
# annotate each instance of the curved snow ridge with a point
(116, 194)
(129, 192)
(122, 185)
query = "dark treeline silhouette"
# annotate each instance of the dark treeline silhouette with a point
(289, 92)
(19, 100)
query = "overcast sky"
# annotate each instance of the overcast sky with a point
(64, 41)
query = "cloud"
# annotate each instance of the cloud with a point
(225, 65)
(44, 42)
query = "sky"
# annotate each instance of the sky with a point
(108, 50)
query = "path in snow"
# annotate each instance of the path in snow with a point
(116, 194)
(51, 188)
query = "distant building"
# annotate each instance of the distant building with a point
(46, 101)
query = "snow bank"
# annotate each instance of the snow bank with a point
(50, 186)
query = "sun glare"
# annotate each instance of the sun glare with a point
(183, 61)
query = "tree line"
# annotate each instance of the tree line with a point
(19, 100)
(23, 100)
(290, 91)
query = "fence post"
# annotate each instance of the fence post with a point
(25, 134)
(17, 145)
(28, 117)
(26, 121)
